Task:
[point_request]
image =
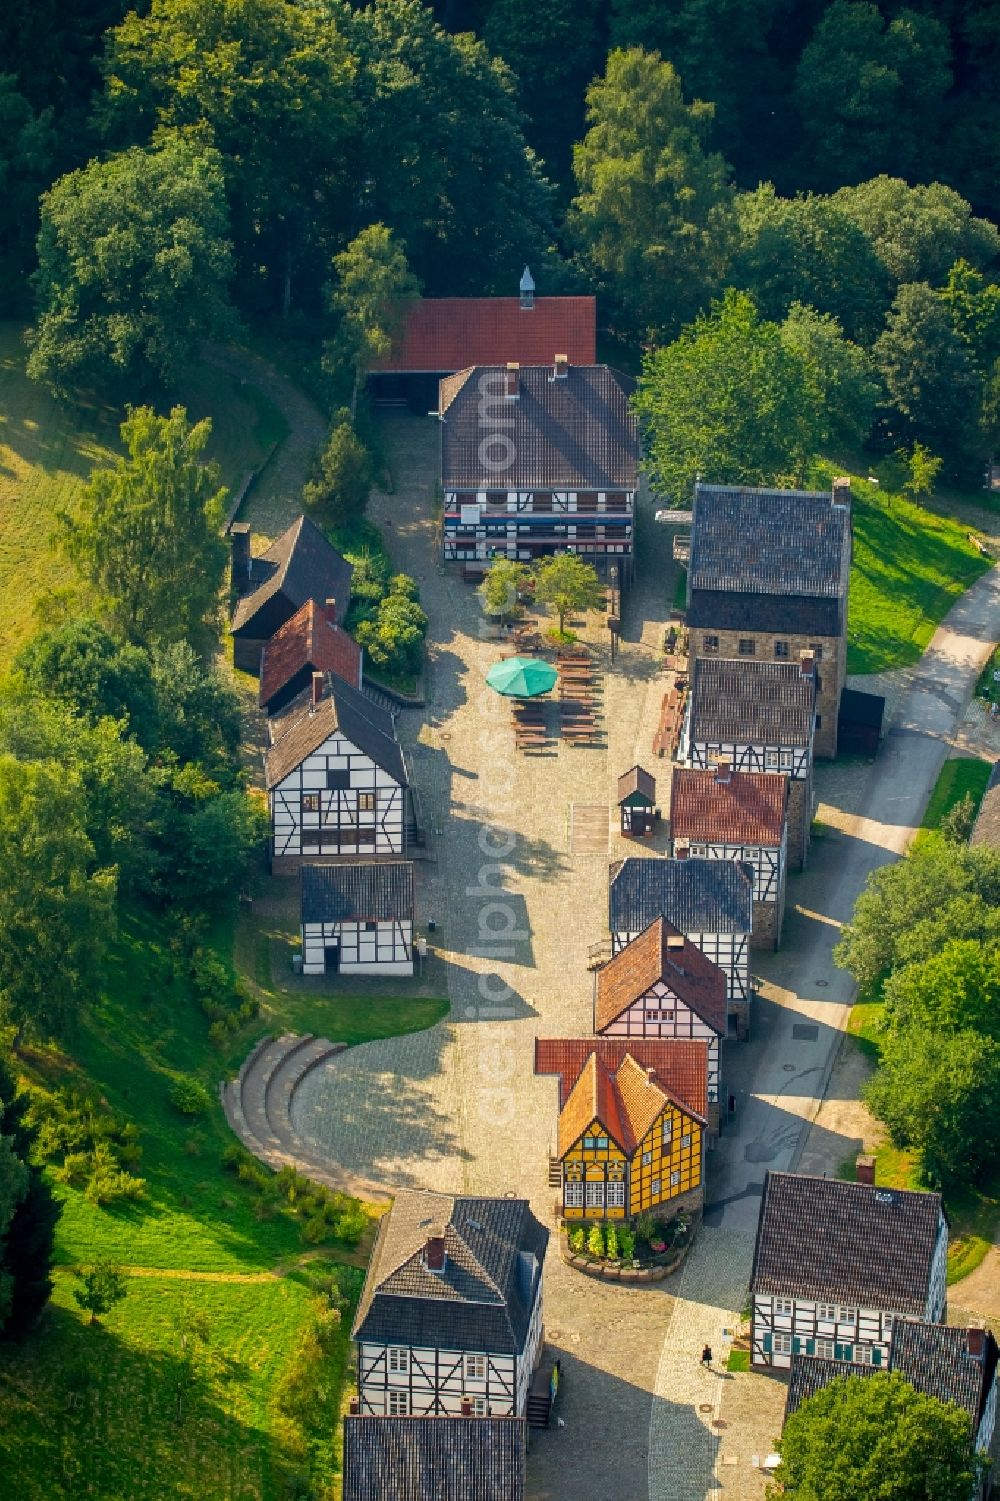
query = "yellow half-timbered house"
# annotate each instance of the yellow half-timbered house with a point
(628, 1140)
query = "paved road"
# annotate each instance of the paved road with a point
(518, 902)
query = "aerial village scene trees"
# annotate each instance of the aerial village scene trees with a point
(499, 729)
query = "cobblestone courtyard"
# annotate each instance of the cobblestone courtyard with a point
(517, 906)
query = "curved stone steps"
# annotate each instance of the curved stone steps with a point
(253, 1086)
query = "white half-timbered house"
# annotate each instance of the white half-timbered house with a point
(661, 985)
(837, 1265)
(357, 919)
(536, 460)
(953, 1364)
(452, 1307)
(723, 814)
(335, 776)
(756, 717)
(709, 901)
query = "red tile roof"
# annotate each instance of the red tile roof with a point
(444, 334)
(749, 808)
(311, 638)
(658, 955)
(681, 1068)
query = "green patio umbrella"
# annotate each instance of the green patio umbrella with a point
(522, 677)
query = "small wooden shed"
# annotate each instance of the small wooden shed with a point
(636, 801)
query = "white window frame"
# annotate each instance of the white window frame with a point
(398, 1403)
(686, 1139)
(784, 1307)
(475, 1367)
(827, 1312)
(656, 1186)
(594, 1195)
(398, 1360)
(862, 1355)
(675, 1177)
(573, 1194)
(846, 1315)
(616, 1193)
(668, 1132)
(826, 1347)
(479, 1407)
(782, 1342)
(647, 1158)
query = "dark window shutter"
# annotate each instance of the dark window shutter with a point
(767, 1344)
(876, 1355)
(838, 1352)
(796, 1344)
(810, 1347)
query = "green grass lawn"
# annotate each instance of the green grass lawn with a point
(909, 568)
(958, 778)
(48, 450)
(135, 1407)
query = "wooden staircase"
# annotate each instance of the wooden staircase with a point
(555, 1172)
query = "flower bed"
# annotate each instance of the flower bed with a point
(647, 1253)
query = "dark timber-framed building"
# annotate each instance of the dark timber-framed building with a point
(709, 901)
(357, 918)
(268, 590)
(768, 578)
(756, 717)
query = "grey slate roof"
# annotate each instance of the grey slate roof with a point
(301, 564)
(376, 891)
(482, 1301)
(849, 1243)
(934, 1359)
(434, 1459)
(986, 829)
(743, 701)
(300, 729)
(576, 433)
(695, 895)
(766, 614)
(782, 542)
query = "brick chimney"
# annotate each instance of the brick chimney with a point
(239, 557)
(513, 389)
(724, 771)
(651, 1075)
(842, 491)
(807, 664)
(467, 1407)
(975, 1343)
(434, 1252)
(864, 1168)
(560, 367)
(318, 681)
(355, 1406)
(675, 941)
(330, 612)
(681, 852)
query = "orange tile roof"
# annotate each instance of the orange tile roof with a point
(681, 1067)
(311, 638)
(625, 1098)
(749, 808)
(441, 334)
(651, 957)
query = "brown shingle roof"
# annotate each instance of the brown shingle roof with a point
(311, 638)
(681, 1067)
(636, 780)
(848, 1243)
(450, 333)
(301, 564)
(575, 433)
(301, 729)
(651, 957)
(747, 807)
(434, 1459)
(743, 701)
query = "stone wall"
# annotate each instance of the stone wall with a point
(800, 803)
(767, 918)
(831, 669)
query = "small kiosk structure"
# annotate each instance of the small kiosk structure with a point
(637, 802)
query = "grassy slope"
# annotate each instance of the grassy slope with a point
(47, 451)
(910, 566)
(958, 778)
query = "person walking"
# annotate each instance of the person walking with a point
(706, 1356)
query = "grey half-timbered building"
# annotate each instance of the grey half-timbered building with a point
(709, 901)
(452, 1307)
(357, 918)
(953, 1364)
(836, 1265)
(335, 777)
(536, 460)
(661, 985)
(768, 578)
(756, 716)
(434, 1459)
(723, 814)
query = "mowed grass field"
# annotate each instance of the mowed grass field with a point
(47, 452)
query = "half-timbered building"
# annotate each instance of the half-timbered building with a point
(661, 985)
(709, 901)
(836, 1265)
(451, 1310)
(357, 919)
(268, 589)
(630, 1137)
(335, 777)
(434, 1459)
(768, 578)
(310, 642)
(723, 814)
(953, 1364)
(537, 460)
(756, 716)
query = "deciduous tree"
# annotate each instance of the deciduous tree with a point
(729, 400)
(919, 232)
(147, 533)
(80, 662)
(873, 1438)
(653, 215)
(928, 372)
(101, 1288)
(338, 494)
(27, 150)
(568, 584)
(372, 288)
(839, 375)
(499, 590)
(955, 989)
(133, 268)
(26, 1249)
